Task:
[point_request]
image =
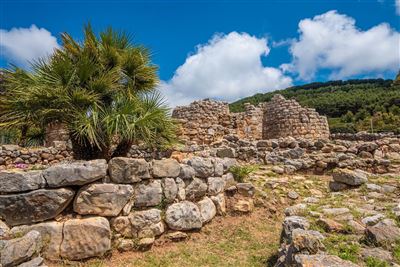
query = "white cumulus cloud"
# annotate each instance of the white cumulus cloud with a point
(21, 45)
(332, 41)
(226, 68)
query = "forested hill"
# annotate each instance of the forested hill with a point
(349, 105)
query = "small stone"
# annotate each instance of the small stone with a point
(293, 222)
(307, 241)
(177, 236)
(145, 243)
(36, 262)
(377, 253)
(298, 209)
(126, 245)
(321, 260)
(372, 220)
(293, 195)
(220, 203)
(330, 225)
(336, 187)
(243, 205)
(226, 152)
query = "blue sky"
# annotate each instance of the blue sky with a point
(223, 49)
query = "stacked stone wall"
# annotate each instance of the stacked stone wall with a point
(84, 209)
(284, 118)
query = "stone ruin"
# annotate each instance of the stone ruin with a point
(284, 118)
(207, 121)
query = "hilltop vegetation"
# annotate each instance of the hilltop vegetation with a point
(350, 105)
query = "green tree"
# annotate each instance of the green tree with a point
(102, 89)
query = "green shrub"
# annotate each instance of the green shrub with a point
(374, 262)
(240, 173)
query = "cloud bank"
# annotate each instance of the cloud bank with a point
(227, 67)
(21, 45)
(332, 41)
(397, 7)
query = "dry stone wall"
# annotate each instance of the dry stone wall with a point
(84, 209)
(284, 118)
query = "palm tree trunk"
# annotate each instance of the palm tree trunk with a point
(83, 150)
(24, 132)
(122, 149)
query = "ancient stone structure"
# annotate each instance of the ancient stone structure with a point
(283, 118)
(207, 121)
(83, 209)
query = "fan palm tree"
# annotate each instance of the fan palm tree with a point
(103, 91)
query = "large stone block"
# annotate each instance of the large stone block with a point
(75, 173)
(51, 233)
(349, 177)
(148, 195)
(19, 250)
(13, 182)
(166, 168)
(203, 167)
(34, 206)
(102, 199)
(128, 170)
(146, 223)
(85, 238)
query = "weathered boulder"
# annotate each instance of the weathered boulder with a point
(35, 262)
(203, 167)
(382, 234)
(184, 215)
(170, 189)
(226, 152)
(148, 195)
(85, 238)
(293, 222)
(75, 173)
(319, 260)
(19, 250)
(23, 208)
(51, 233)
(128, 170)
(12, 182)
(207, 209)
(215, 185)
(196, 189)
(4, 230)
(166, 168)
(246, 189)
(146, 223)
(349, 177)
(102, 199)
(307, 241)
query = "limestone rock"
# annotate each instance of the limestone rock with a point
(215, 185)
(377, 253)
(148, 195)
(146, 223)
(330, 225)
(203, 167)
(128, 170)
(51, 233)
(19, 250)
(293, 222)
(298, 209)
(187, 172)
(170, 189)
(4, 230)
(85, 238)
(122, 225)
(349, 177)
(307, 241)
(196, 189)
(320, 260)
(36, 262)
(75, 173)
(246, 189)
(12, 182)
(23, 208)
(226, 152)
(184, 215)
(372, 220)
(177, 236)
(181, 194)
(242, 204)
(207, 210)
(102, 199)
(166, 168)
(220, 203)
